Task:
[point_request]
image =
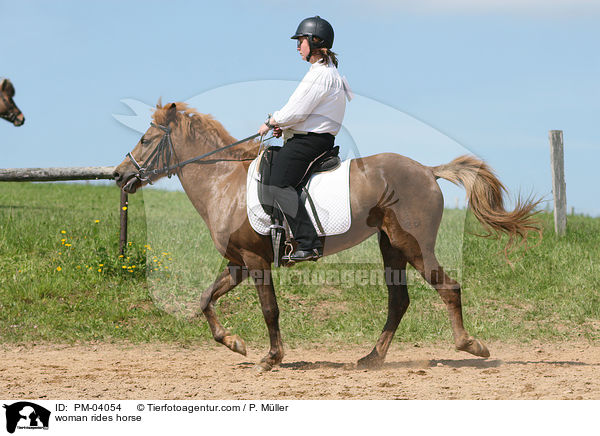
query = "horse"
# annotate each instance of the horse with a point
(8, 109)
(391, 195)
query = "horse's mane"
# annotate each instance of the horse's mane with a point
(197, 126)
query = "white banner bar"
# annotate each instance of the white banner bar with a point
(463, 418)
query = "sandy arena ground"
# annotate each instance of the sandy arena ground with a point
(128, 372)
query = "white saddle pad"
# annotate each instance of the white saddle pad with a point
(330, 192)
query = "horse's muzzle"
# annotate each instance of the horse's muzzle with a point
(128, 182)
(132, 185)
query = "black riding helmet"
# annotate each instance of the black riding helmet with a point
(315, 26)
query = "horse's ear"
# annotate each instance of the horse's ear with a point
(8, 88)
(171, 113)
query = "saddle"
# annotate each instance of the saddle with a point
(327, 161)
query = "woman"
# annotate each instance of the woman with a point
(309, 122)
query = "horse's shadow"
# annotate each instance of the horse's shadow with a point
(450, 363)
(303, 365)
(420, 364)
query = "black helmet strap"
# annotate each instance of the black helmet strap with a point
(311, 46)
(309, 38)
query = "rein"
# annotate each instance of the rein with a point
(165, 150)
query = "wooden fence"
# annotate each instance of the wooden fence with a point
(55, 174)
(71, 173)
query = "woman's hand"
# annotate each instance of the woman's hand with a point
(262, 131)
(265, 128)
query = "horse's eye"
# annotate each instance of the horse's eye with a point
(143, 140)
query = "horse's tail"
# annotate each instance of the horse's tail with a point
(485, 193)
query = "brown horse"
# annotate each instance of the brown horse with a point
(8, 109)
(391, 195)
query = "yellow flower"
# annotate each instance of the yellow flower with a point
(99, 269)
(124, 208)
(58, 268)
(63, 232)
(97, 221)
(101, 264)
(67, 245)
(124, 267)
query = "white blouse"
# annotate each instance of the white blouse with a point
(318, 104)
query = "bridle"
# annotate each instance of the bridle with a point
(13, 113)
(164, 151)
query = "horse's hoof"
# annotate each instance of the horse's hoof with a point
(370, 361)
(261, 367)
(475, 347)
(235, 343)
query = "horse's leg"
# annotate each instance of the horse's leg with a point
(260, 271)
(449, 290)
(420, 254)
(398, 300)
(229, 278)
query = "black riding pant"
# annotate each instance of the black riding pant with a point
(288, 169)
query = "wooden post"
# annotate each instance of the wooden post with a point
(124, 209)
(559, 187)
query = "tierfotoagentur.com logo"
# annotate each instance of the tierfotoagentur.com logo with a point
(26, 415)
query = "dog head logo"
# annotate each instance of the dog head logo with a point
(26, 415)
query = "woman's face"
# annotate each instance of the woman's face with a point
(303, 47)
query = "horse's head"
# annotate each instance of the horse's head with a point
(8, 109)
(151, 155)
(193, 133)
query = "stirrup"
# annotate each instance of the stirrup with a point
(276, 232)
(303, 255)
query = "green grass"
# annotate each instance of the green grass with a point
(73, 286)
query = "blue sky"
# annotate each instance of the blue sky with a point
(433, 78)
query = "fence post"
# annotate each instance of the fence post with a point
(559, 187)
(124, 210)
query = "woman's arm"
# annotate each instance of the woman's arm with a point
(301, 104)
